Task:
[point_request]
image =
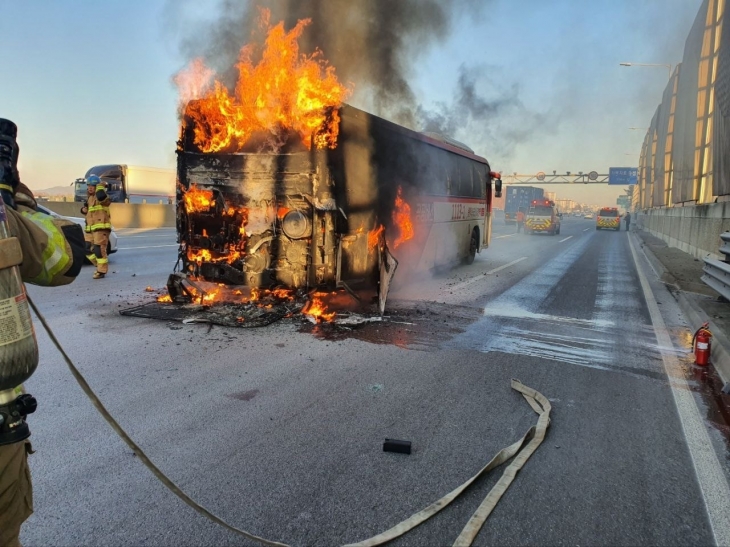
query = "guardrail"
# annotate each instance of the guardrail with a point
(725, 249)
(717, 276)
(717, 272)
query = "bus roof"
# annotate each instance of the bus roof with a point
(433, 139)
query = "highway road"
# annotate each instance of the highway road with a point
(279, 430)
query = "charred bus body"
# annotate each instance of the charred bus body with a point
(305, 218)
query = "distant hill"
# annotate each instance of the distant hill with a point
(55, 191)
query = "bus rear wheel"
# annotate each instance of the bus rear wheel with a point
(473, 244)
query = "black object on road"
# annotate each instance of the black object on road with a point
(394, 445)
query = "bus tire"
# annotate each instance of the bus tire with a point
(473, 245)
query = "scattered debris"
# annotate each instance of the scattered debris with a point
(395, 445)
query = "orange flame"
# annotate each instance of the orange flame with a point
(210, 297)
(284, 91)
(283, 294)
(164, 298)
(199, 255)
(198, 200)
(374, 237)
(317, 310)
(402, 219)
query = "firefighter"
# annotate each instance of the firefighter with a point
(520, 219)
(88, 237)
(53, 254)
(98, 223)
(627, 220)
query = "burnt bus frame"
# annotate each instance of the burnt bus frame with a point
(351, 191)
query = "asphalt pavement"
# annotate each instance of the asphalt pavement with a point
(279, 430)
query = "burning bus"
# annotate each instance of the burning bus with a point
(298, 215)
(280, 184)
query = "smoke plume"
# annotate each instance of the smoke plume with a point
(484, 113)
(374, 44)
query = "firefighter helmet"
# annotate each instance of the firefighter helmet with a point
(92, 180)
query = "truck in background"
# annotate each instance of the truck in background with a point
(520, 197)
(131, 184)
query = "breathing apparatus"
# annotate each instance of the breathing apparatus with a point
(18, 345)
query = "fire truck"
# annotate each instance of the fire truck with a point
(342, 217)
(543, 216)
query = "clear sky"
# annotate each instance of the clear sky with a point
(89, 82)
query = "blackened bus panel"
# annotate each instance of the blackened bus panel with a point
(310, 212)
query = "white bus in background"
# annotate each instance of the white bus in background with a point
(131, 183)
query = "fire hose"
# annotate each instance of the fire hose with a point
(519, 452)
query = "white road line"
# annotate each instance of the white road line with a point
(711, 479)
(586, 229)
(495, 270)
(566, 239)
(468, 282)
(508, 235)
(146, 247)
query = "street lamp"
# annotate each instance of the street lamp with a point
(649, 64)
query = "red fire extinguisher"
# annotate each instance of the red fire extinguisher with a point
(702, 345)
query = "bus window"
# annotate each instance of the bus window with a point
(479, 175)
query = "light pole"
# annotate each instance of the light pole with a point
(650, 64)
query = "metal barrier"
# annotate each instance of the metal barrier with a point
(717, 272)
(725, 249)
(717, 276)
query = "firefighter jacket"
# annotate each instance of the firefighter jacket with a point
(97, 216)
(52, 248)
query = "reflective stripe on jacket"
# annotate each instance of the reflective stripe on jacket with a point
(53, 248)
(98, 217)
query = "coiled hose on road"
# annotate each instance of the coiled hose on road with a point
(519, 453)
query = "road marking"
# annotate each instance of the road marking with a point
(468, 282)
(586, 229)
(711, 479)
(508, 235)
(566, 239)
(146, 247)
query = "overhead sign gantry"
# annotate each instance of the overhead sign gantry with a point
(616, 175)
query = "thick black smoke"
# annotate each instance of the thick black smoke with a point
(372, 43)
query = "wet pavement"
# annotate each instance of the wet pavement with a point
(280, 429)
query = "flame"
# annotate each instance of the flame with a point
(198, 200)
(199, 255)
(283, 294)
(374, 237)
(402, 220)
(284, 91)
(149, 289)
(210, 297)
(317, 310)
(164, 298)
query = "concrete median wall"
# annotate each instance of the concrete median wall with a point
(695, 230)
(124, 215)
